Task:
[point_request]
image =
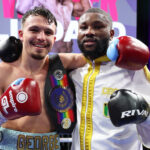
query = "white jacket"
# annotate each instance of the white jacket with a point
(94, 83)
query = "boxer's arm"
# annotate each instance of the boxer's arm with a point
(2, 75)
(72, 60)
(2, 118)
(142, 86)
(128, 52)
(143, 130)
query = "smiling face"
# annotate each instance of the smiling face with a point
(94, 34)
(37, 36)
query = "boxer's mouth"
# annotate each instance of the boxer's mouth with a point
(40, 45)
(89, 42)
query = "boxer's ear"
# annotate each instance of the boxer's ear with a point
(20, 33)
(111, 34)
(54, 38)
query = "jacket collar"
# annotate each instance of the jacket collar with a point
(98, 60)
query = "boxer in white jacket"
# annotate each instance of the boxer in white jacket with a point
(98, 79)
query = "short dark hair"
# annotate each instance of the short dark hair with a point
(100, 11)
(40, 11)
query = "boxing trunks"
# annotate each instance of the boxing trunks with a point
(16, 140)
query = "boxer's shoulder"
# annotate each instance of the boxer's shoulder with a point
(72, 60)
(5, 73)
(6, 67)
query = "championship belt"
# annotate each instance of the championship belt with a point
(59, 96)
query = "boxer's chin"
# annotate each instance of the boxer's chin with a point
(100, 50)
(37, 57)
(96, 51)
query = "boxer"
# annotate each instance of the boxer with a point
(27, 126)
(109, 68)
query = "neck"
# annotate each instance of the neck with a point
(31, 65)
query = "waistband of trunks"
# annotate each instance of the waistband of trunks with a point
(24, 140)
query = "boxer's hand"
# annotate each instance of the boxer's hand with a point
(127, 107)
(21, 98)
(10, 49)
(128, 52)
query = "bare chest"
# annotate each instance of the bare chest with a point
(39, 77)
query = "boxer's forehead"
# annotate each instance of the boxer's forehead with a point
(89, 18)
(39, 21)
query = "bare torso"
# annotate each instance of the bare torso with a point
(11, 71)
(34, 124)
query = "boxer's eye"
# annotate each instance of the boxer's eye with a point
(34, 29)
(98, 25)
(49, 32)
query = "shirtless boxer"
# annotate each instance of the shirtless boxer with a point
(38, 36)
